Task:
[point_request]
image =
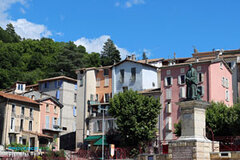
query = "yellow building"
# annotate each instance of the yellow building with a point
(20, 121)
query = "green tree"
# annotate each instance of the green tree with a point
(136, 117)
(110, 54)
(144, 56)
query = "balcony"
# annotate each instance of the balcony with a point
(54, 128)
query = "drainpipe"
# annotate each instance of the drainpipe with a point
(84, 114)
(6, 122)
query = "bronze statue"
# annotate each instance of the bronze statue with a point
(192, 82)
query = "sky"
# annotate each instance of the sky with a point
(157, 27)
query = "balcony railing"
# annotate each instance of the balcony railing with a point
(15, 129)
(54, 127)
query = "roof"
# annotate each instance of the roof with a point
(150, 60)
(38, 134)
(99, 142)
(232, 51)
(17, 97)
(199, 62)
(94, 68)
(91, 138)
(59, 78)
(52, 98)
(32, 85)
(147, 91)
(128, 60)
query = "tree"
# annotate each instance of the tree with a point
(220, 119)
(144, 56)
(136, 117)
(110, 54)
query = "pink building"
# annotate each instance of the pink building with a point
(215, 84)
(50, 115)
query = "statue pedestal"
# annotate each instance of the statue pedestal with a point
(193, 144)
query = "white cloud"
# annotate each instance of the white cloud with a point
(30, 30)
(59, 34)
(23, 27)
(96, 45)
(130, 3)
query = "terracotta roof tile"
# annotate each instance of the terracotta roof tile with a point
(17, 97)
(58, 78)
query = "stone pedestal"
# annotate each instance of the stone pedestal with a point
(193, 144)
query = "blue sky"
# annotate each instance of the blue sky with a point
(159, 27)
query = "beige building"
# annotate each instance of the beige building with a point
(19, 121)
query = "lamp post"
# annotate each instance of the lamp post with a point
(103, 126)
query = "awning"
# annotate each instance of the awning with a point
(99, 142)
(91, 138)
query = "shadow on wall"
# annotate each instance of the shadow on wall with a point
(68, 141)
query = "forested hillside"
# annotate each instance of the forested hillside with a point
(30, 60)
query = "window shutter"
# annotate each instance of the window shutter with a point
(59, 121)
(106, 81)
(47, 122)
(227, 83)
(53, 122)
(202, 90)
(179, 80)
(202, 76)
(74, 111)
(223, 81)
(169, 108)
(47, 84)
(171, 80)
(165, 81)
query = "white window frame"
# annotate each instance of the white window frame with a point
(227, 95)
(106, 81)
(202, 77)
(169, 124)
(166, 81)
(168, 107)
(180, 79)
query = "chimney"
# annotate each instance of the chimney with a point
(196, 59)
(128, 57)
(218, 52)
(133, 57)
(146, 61)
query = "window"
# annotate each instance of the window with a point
(31, 112)
(168, 81)
(121, 76)
(153, 84)
(168, 72)
(181, 79)
(169, 123)
(96, 98)
(99, 126)
(22, 110)
(12, 124)
(227, 95)
(168, 107)
(98, 82)
(223, 81)
(20, 87)
(47, 108)
(21, 125)
(201, 90)
(55, 121)
(55, 109)
(75, 86)
(229, 64)
(133, 74)
(57, 94)
(91, 97)
(169, 93)
(74, 111)
(182, 93)
(106, 72)
(81, 81)
(60, 83)
(199, 68)
(125, 89)
(30, 126)
(200, 77)
(106, 81)
(75, 97)
(106, 97)
(46, 85)
(182, 70)
(33, 97)
(13, 108)
(110, 124)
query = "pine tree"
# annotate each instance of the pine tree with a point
(110, 54)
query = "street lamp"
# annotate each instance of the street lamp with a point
(103, 126)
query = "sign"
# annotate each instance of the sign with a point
(112, 149)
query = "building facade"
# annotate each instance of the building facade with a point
(20, 121)
(215, 84)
